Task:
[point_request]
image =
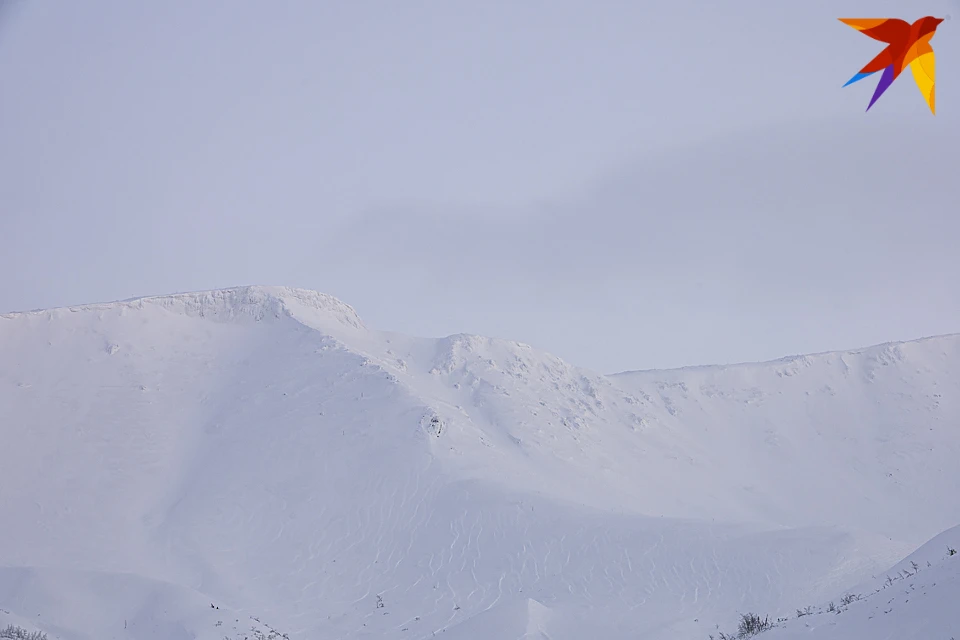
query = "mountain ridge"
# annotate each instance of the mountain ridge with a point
(261, 301)
(251, 301)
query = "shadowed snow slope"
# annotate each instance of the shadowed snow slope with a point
(259, 449)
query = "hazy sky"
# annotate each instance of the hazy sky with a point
(625, 184)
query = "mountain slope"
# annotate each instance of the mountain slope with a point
(880, 421)
(261, 448)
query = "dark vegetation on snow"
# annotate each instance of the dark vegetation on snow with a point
(19, 633)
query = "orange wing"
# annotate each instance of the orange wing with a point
(889, 30)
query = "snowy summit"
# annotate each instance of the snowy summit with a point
(257, 462)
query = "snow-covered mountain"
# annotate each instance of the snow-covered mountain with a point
(177, 466)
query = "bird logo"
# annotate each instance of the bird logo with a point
(907, 44)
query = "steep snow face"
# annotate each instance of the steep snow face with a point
(864, 439)
(149, 418)
(511, 409)
(261, 449)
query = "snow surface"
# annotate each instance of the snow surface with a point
(201, 464)
(916, 599)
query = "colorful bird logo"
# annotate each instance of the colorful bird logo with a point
(907, 44)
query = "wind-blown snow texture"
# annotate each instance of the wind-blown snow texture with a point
(178, 466)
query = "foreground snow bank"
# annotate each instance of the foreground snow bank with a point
(915, 599)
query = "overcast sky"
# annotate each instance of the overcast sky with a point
(625, 184)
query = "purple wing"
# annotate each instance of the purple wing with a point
(885, 81)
